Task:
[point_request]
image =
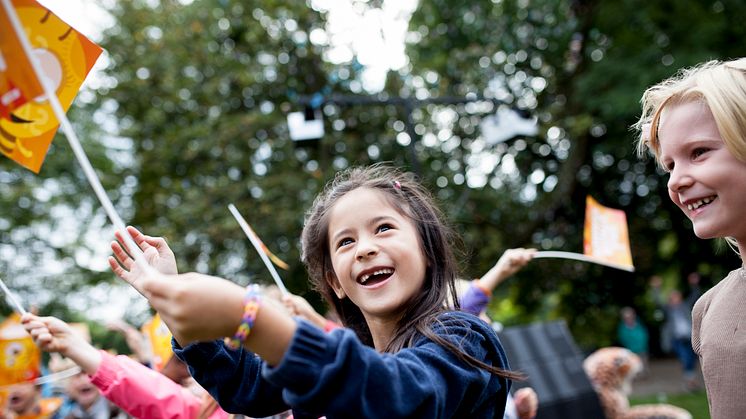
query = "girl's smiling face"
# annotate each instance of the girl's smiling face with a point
(706, 181)
(376, 254)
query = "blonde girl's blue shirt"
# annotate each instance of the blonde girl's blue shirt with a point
(335, 375)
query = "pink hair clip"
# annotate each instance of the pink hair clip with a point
(397, 185)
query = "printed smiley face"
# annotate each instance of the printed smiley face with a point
(19, 356)
(27, 126)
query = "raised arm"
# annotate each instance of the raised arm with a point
(198, 307)
(479, 293)
(137, 389)
(54, 335)
(512, 261)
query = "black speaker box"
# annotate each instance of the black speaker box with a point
(548, 355)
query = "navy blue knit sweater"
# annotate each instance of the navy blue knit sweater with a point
(335, 375)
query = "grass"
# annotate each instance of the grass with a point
(695, 402)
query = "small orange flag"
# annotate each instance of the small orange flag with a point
(605, 235)
(20, 358)
(274, 258)
(27, 122)
(159, 337)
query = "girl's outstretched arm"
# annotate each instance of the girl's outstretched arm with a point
(54, 335)
(199, 307)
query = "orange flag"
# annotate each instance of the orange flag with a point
(20, 358)
(27, 122)
(159, 338)
(605, 235)
(274, 258)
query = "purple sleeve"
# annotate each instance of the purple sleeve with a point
(474, 300)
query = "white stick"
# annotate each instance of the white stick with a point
(72, 138)
(581, 257)
(51, 377)
(257, 245)
(57, 376)
(12, 298)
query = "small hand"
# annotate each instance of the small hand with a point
(513, 260)
(155, 249)
(526, 403)
(135, 340)
(53, 335)
(49, 333)
(299, 306)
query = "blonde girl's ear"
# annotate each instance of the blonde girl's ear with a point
(333, 282)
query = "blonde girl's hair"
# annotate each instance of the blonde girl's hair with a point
(720, 85)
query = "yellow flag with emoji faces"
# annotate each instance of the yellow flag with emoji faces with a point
(27, 122)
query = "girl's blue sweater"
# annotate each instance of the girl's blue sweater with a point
(335, 375)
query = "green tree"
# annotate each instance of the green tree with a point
(580, 67)
(200, 92)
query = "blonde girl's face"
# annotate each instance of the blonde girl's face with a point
(376, 254)
(706, 181)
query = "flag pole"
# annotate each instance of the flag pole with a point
(72, 138)
(255, 241)
(581, 257)
(12, 298)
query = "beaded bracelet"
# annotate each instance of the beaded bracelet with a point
(251, 302)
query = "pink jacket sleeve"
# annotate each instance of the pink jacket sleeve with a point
(141, 391)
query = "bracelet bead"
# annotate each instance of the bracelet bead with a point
(251, 303)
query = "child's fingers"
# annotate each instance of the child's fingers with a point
(142, 240)
(44, 339)
(123, 243)
(123, 257)
(138, 239)
(38, 332)
(28, 317)
(289, 304)
(157, 242)
(117, 268)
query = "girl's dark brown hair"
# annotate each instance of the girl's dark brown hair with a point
(408, 196)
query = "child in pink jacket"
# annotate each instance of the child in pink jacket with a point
(137, 389)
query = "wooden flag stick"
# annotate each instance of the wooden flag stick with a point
(257, 245)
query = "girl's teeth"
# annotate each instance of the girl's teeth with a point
(699, 203)
(365, 277)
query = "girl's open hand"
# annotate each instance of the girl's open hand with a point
(157, 254)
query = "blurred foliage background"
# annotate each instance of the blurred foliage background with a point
(191, 116)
